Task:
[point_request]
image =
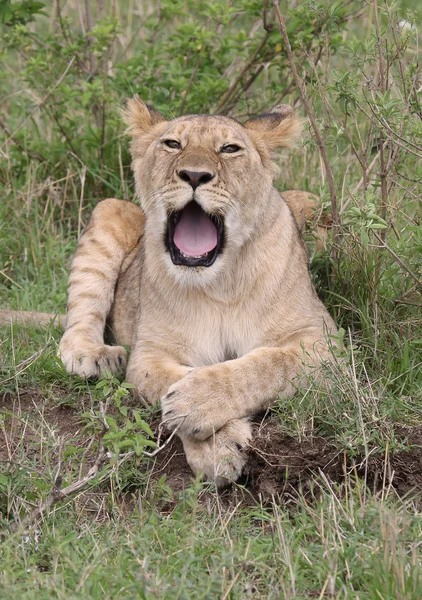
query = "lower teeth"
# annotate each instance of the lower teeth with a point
(198, 256)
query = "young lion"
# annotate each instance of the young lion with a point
(208, 282)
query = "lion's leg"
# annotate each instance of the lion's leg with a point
(220, 458)
(153, 370)
(206, 399)
(302, 204)
(112, 233)
(210, 405)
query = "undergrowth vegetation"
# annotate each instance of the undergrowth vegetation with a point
(120, 531)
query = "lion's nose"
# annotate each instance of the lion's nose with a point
(195, 178)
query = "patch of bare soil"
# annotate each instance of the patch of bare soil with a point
(30, 418)
(279, 465)
(171, 462)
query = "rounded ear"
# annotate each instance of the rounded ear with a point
(139, 117)
(279, 128)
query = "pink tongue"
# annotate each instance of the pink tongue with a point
(195, 234)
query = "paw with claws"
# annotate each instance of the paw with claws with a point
(91, 360)
(198, 405)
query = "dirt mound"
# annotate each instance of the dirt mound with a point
(279, 465)
(403, 470)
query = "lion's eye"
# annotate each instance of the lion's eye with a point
(230, 148)
(173, 144)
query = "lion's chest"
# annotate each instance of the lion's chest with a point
(220, 335)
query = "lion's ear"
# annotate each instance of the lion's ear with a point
(139, 117)
(278, 128)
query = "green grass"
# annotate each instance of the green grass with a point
(132, 532)
(344, 550)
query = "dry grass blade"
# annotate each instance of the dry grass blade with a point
(22, 366)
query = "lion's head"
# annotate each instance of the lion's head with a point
(204, 182)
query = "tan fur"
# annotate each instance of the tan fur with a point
(30, 318)
(214, 344)
(304, 207)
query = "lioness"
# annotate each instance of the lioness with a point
(208, 282)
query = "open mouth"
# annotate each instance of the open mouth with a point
(193, 237)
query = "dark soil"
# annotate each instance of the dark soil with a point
(280, 466)
(403, 470)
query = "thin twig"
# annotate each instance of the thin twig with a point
(187, 90)
(168, 440)
(57, 495)
(398, 259)
(34, 110)
(88, 37)
(383, 123)
(383, 85)
(19, 145)
(302, 90)
(362, 181)
(243, 72)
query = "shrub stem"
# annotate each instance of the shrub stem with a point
(321, 146)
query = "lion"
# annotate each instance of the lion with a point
(207, 281)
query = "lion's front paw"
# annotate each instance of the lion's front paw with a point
(221, 457)
(91, 360)
(198, 405)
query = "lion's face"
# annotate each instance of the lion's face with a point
(195, 186)
(203, 182)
